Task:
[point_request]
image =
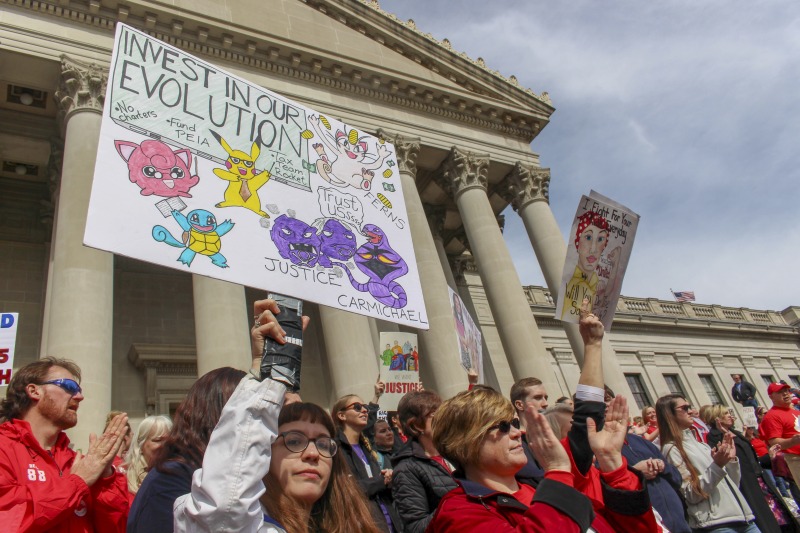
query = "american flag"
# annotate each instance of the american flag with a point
(683, 296)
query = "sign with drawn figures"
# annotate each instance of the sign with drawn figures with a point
(598, 249)
(468, 335)
(8, 339)
(399, 364)
(202, 171)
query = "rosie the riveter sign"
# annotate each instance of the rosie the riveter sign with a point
(202, 171)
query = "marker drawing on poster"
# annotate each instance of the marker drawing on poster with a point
(468, 336)
(202, 171)
(598, 249)
(8, 339)
(399, 364)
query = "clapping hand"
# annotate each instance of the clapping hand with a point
(546, 448)
(100, 455)
(607, 443)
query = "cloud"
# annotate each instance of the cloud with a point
(684, 111)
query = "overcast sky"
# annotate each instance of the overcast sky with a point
(687, 112)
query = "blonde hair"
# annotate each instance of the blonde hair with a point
(460, 424)
(337, 408)
(556, 417)
(710, 413)
(135, 464)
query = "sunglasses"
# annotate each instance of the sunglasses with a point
(685, 408)
(505, 426)
(357, 406)
(69, 385)
(298, 442)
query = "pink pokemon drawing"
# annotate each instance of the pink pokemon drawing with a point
(157, 169)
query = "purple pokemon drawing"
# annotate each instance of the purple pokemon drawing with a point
(296, 241)
(382, 265)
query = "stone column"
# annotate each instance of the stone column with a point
(352, 357)
(440, 369)
(222, 320)
(527, 189)
(49, 220)
(464, 176)
(80, 297)
(436, 216)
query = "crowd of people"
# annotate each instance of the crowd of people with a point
(244, 453)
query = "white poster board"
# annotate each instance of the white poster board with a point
(468, 335)
(598, 249)
(399, 364)
(202, 171)
(749, 419)
(8, 339)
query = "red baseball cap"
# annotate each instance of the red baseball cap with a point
(776, 387)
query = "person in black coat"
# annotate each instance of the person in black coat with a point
(663, 481)
(421, 477)
(744, 392)
(350, 415)
(720, 420)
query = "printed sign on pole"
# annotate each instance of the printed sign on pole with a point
(399, 363)
(598, 249)
(468, 336)
(202, 171)
(8, 339)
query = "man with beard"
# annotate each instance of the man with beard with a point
(44, 485)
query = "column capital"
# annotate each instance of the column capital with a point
(82, 87)
(463, 170)
(406, 150)
(436, 215)
(524, 185)
(461, 264)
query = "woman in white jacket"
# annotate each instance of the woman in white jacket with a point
(270, 467)
(710, 476)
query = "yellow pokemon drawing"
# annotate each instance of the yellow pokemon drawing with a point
(244, 178)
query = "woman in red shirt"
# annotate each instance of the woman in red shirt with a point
(649, 417)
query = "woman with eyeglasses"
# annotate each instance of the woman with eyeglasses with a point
(272, 464)
(710, 476)
(350, 415)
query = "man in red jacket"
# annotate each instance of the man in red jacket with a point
(44, 485)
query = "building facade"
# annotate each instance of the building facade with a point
(462, 133)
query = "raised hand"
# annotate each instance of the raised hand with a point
(472, 376)
(546, 448)
(265, 324)
(379, 388)
(100, 455)
(607, 443)
(591, 328)
(721, 453)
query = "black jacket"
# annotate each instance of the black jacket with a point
(418, 483)
(376, 490)
(747, 392)
(751, 490)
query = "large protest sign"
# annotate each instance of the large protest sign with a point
(468, 335)
(749, 419)
(598, 249)
(202, 171)
(399, 364)
(8, 339)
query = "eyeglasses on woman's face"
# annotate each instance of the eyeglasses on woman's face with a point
(505, 426)
(355, 406)
(685, 408)
(297, 442)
